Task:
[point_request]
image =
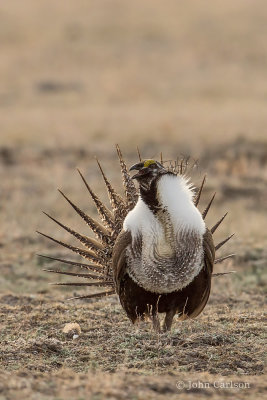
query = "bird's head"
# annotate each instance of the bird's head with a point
(148, 171)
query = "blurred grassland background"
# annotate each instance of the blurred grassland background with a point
(178, 77)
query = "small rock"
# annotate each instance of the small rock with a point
(72, 330)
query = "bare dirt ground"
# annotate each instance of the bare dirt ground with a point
(178, 77)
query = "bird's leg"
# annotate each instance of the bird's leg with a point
(140, 323)
(156, 322)
(168, 320)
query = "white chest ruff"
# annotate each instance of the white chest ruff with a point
(166, 253)
(165, 271)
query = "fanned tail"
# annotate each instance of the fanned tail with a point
(91, 267)
(89, 255)
(205, 212)
(138, 153)
(99, 230)
(94, 295)
(214, 228)
(86, 276)
(97, 250)
(117, 203)
(95, 284)
(89, 243)
(129, 188)
(105, 214)
(223, 273)
(221, 259)
(219, 245)
(198, 195)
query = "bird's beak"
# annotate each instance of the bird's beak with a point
(141, 170)
(137, 166)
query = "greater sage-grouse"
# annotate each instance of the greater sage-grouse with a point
(152, 249)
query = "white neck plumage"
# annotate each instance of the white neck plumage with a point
(176, 196)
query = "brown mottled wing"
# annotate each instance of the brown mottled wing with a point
(119, 257)
(203, 280)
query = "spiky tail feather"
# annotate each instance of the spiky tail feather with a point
(99, 250)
